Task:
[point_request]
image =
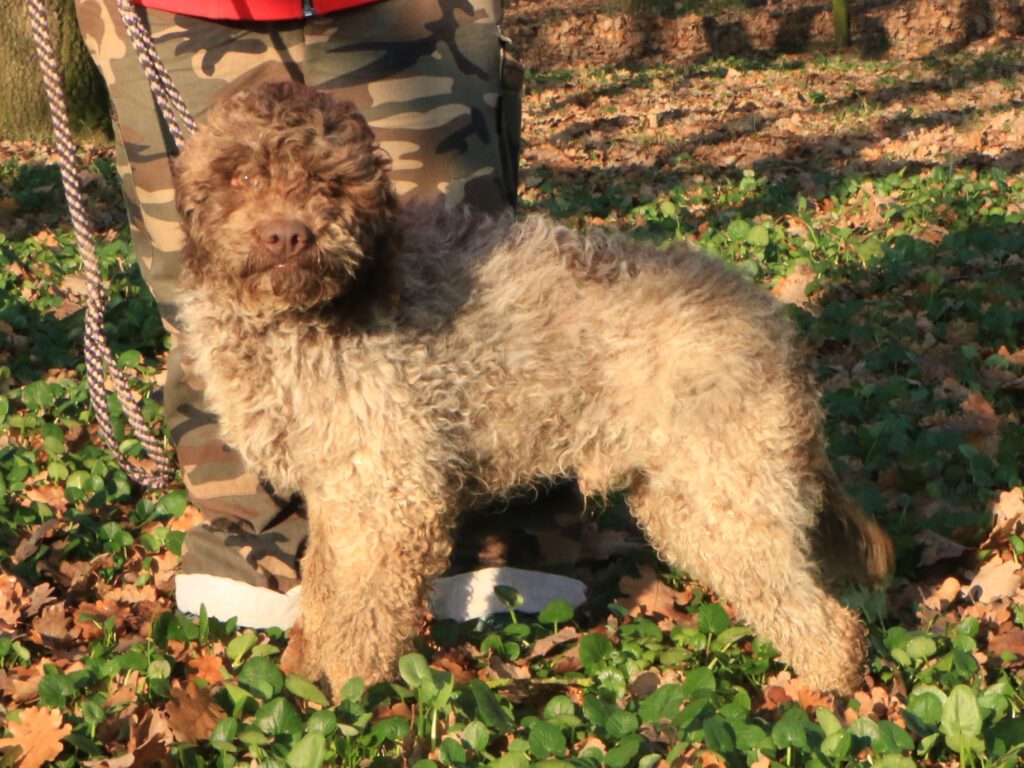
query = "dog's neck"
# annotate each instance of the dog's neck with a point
(251, 365)
(371, 295)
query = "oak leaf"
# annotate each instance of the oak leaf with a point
(208, 668)
(11, 594)
(935, 547)
(30, 544)
(50, 627)
(38, 598)
(21, 684)
(544, 645)
(937, 598)
(187, 520)
(38, 735)
(52, 496)
(192, 713)
(794, 689)
(792, 289)
(1007, 641)
(605, 544)
(650, 596)
(979, 420)
(995, 580)
(149, 739)
(165, 568)
(1008, 511)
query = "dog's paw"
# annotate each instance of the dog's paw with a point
(836, 663)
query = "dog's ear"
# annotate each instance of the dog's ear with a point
(377, 283)
(387, 257)
(185, 199)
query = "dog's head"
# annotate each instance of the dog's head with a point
(285, 200)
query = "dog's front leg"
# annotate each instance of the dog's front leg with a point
(365, 576)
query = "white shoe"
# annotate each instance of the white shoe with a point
(462, 597)
(255, 607)
(471, 595)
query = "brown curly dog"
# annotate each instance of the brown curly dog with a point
(399, 364)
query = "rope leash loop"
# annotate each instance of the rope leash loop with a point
(99, 361)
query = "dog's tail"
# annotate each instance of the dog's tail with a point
(849, 545)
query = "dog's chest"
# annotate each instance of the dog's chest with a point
(302, 406)
(271, 393)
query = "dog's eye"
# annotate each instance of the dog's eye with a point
(245, 180)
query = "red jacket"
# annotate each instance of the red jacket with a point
(251, 10)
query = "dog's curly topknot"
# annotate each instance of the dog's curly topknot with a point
(512, 350)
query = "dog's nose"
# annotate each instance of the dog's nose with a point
(285, 238)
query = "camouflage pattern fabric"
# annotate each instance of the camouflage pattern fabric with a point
(434, 80)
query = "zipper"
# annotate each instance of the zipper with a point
(307, 9)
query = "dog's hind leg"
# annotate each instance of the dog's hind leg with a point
(364, 585)
(742, 534)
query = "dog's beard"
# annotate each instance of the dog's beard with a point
(284, 289)
(297, 284)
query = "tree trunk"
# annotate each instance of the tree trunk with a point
(841, 21)
(23, 110)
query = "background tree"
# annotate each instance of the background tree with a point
(841, 21)
(23, 110)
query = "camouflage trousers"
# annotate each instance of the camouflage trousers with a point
(442, 96)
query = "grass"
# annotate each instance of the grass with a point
(911, 277)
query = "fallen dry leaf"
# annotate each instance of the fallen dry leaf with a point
(38, 734)
(192, 713)
(449, 661)
(1007, 512)
(587, 743)
(90, 617)
(783, 687)
(11, 593)
(149, 739)
(600, 544)
(22, 683)
(792, 289)
(650, 596)
(644, 684)
(935, 547)
(51, 625)
(996, 580)
(291, 659)
(187, 520)
(52, 496)
(38, 598)
(543, 646)
(497, 668)
(1007, 641)
(875, 703)
(939, 598)
(978, 419)
(208, 668)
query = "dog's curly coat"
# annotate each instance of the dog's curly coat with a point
(396, 380)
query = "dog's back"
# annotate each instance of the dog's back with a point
(649, 339)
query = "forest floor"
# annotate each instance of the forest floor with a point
(882, 200)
